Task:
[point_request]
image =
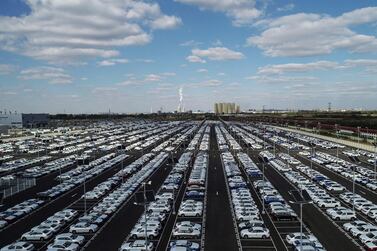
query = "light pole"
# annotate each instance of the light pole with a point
(375, 156)
(358, 134)
(84, 192)
(122, 172)
(337, 144)
(173, 200)
(353, 189)
(145, 214)
(145, 210)
(263, 209)
(301, 201)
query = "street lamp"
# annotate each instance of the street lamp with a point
(337, 144)
(358, 134)
(145, 210)
(353, 189)
(299, 199)
(263, 209)
(375, 156)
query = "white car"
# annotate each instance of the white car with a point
(136, 245)
(255, 232)
(83, 227)
(69, 237)
(190, 212)
(328, 203)
(247, 216)
(354, 224)
(18, 246)
(369, 237)
(357, 231)
(163, 208)
(68, 246)
(292, 237)
(343, 215)
(140, 233)
(188, 224)
(150, 225)
(34, 235)
(186, 232)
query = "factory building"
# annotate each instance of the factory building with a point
(226, 108)
(19, 120)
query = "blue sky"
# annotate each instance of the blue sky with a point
(89, 56)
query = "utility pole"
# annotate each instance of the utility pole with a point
(263, 210)
(337, 144)
(375, 156)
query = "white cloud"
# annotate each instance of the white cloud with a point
(104, 90)
(369, 64)
(53, 75)
(217, 43)
(281, 79)
(241, 12)
(214, 53)
(306, 34)
(296, 67)
(190, 43)
(169, 74)
(113, 61)
(153, 78)
(150, 78)
(6, 69)
(195, 59)
(145, 60)
(11, 93)
(202, 70)
(62, 31)
(207, 83)
(166, 22)
(286, 7)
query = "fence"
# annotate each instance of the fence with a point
(9, 188)
(340, 141)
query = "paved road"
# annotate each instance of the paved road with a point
(326, 232)
(14, 231)
(220, 232)
(115, 232)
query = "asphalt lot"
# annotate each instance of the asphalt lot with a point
(219, 227)
(220, 234)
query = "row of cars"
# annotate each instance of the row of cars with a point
(151, 222)
(276, 206)
(14, 165)
(363, 231)
(82, 174)
(362, 175)
(249, 221)
(48, 167)
(188, 229)
(88, 223)
(44, 231)
(109, 204)
(250, 140)
(20, 210)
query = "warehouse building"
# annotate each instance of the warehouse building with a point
(19, 120)
(226, 108)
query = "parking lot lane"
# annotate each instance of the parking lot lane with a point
(111, 237)
(220, 233)
(12, 232)
(326, 232)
